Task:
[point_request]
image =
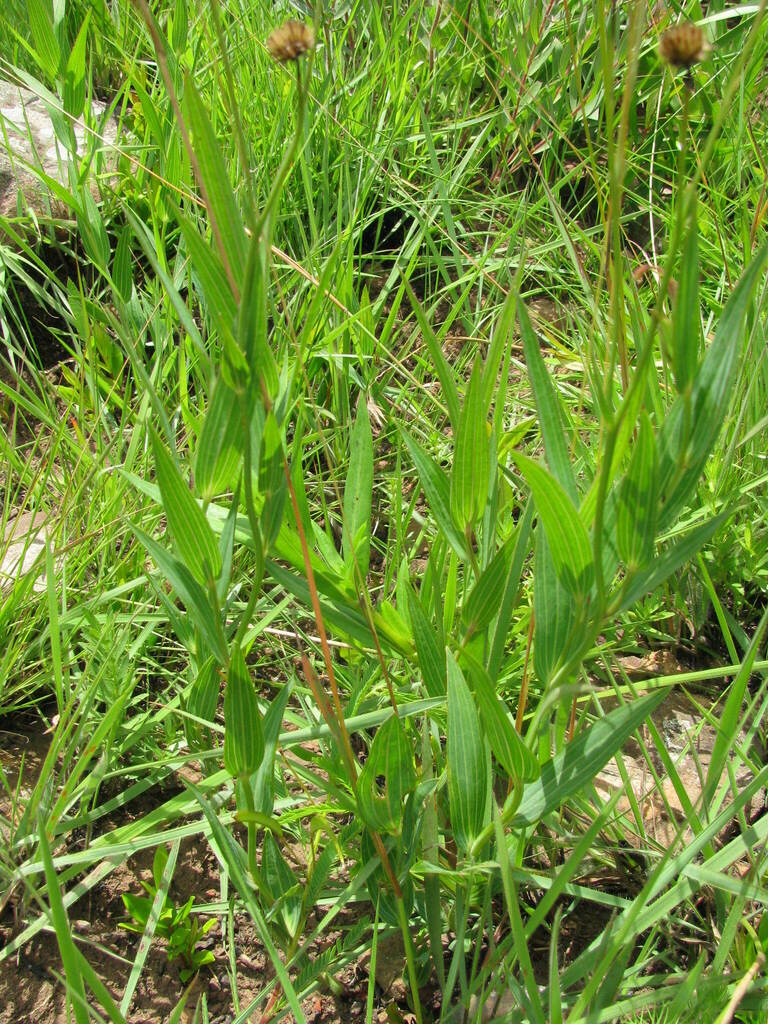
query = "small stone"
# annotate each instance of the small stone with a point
(22, 549)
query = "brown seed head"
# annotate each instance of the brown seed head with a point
(290, 41)
(684, 45)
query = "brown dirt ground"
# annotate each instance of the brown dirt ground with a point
(30, 992)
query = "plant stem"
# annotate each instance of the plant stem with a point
(410, 958)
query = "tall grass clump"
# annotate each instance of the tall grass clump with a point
(346, 537)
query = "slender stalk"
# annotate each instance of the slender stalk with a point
(234, 113)
(253, 867)
(162, 63)
(410, 958)
(262, 224)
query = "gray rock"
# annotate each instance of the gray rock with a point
(496, 1003)
(22, 546)
(689, 740)
(35, 134)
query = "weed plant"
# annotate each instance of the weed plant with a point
(416, 372)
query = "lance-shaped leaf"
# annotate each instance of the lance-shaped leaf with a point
(272, 482)
(637, 506)
(671, 560)
(358, 493)
(202, 611)
(192, 535)
(484, 599)
(281, 883)
(506, 743)
(46, 50)
(441, 364)
(204, 692)
(209, 273)
(430, 655)
(220, 447)
(388, 775)
(548, 407)
(180, 26)
(223, 205)
(252, 327)
(553, 611)
(243, 732)
(498, 633)
(694, 422)
(263, 789)
(471, 458)
(437, 489)
(468, 768)
(576, 767)
(567, 536)
(74, 78)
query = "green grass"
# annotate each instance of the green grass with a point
(369, 460)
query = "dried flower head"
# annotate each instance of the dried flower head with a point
(684, 45)
(290, 41)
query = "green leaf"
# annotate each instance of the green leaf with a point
(92, 231)
(442, 367)
(506, 742)
(159, 862)
(147, 240)
(338, 612)
(430, 655)
(436, 488)
(263, 788)
(209, 271)
(548, 407)
(637, 504)
(358, 494)
(272, 482)
(671, 560)
(686, 317)
(553, 612)
(729, 718)
(46, 49)
(576, 767)
(122, 278)
(279, 880)
(567, 536)
(74, 80)
(204, 693)
(220, 448)
(471, 471)
(243, 735)
(498, 349)
(387, 777)
(223, 205)
(201, 611)
(484, 599)
(61, 926)
(498, 635)
(180, 27)
(694, 422)
(192, 535)
(99, 989)
(227, 546)
(252, 327)
(230, 855)
(468, 775)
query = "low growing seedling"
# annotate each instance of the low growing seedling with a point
(177, 925)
